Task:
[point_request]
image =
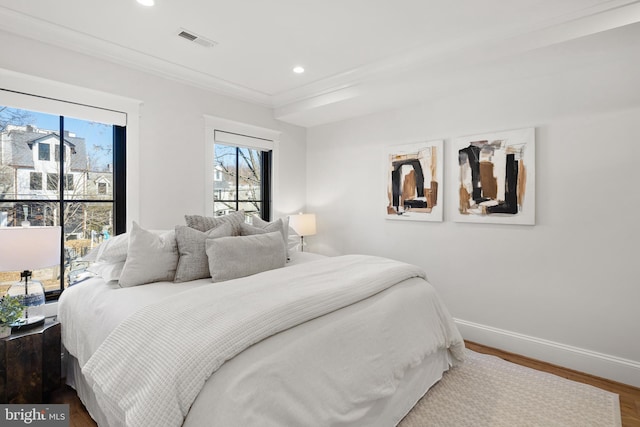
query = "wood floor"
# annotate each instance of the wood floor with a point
(629, 396)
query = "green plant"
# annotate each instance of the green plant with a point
(10, 309)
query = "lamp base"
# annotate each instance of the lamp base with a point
(31, 294)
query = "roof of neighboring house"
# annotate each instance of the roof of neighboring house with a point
(18, 149)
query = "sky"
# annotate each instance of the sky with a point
(98, 136)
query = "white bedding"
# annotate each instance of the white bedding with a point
(92, 309)
(323, 377)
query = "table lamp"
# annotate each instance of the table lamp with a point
(25, 249)
(304, 225)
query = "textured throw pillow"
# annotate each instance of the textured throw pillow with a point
(151, 258)
(292, 240)
(270, 227)
(233, 257)
(206, 223)
(114, 249)
(281, 225)
(193, 263)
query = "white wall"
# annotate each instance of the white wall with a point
(171, 143)
(565, 290)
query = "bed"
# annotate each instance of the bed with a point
(326, 341)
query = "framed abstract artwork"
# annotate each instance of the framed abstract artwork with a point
(496, 177)
(414, 181)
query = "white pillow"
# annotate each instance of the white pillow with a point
(107, 270)
(114, 249)
(151, 257)
(233, 257)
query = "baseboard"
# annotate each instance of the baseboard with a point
(603, 365)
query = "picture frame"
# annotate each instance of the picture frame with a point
(496, 178)
(414, 181)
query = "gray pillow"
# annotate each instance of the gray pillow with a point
(269, 227)
(206, 223)
(193, 263)
(233, 257)
(286, 230)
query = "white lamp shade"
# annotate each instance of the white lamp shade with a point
(29, 248)
(303, 224)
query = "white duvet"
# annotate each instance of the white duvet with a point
(141, 377)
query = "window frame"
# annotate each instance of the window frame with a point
(41, 152)
(52, 181)
(101, 188)
(259, 138)
(32, 175)
(40, 94)
(63, 99)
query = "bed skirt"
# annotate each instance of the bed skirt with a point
(417, 381)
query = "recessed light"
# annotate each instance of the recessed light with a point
(298, 70)
(146, 2)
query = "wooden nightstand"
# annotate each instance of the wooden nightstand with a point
(30, 364)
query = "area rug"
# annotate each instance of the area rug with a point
(486, 391)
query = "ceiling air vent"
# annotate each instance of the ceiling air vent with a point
(193, 37)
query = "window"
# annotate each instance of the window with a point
(44, 152)
(35, 181)
(233, 149)
(68, 182)
(92, 151)
(102, 188)
(52, 182)
(245, 180)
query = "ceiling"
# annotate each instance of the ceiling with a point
(360, 56)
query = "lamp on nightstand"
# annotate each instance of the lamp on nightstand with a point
(23, 249)
(304, 225)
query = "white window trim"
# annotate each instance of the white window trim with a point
(269, 140)
(43, 92)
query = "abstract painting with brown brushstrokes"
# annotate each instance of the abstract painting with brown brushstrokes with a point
(496, 177)
(414, 182)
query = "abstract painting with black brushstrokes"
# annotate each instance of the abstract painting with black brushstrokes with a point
(496, 181)
(414, 182)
